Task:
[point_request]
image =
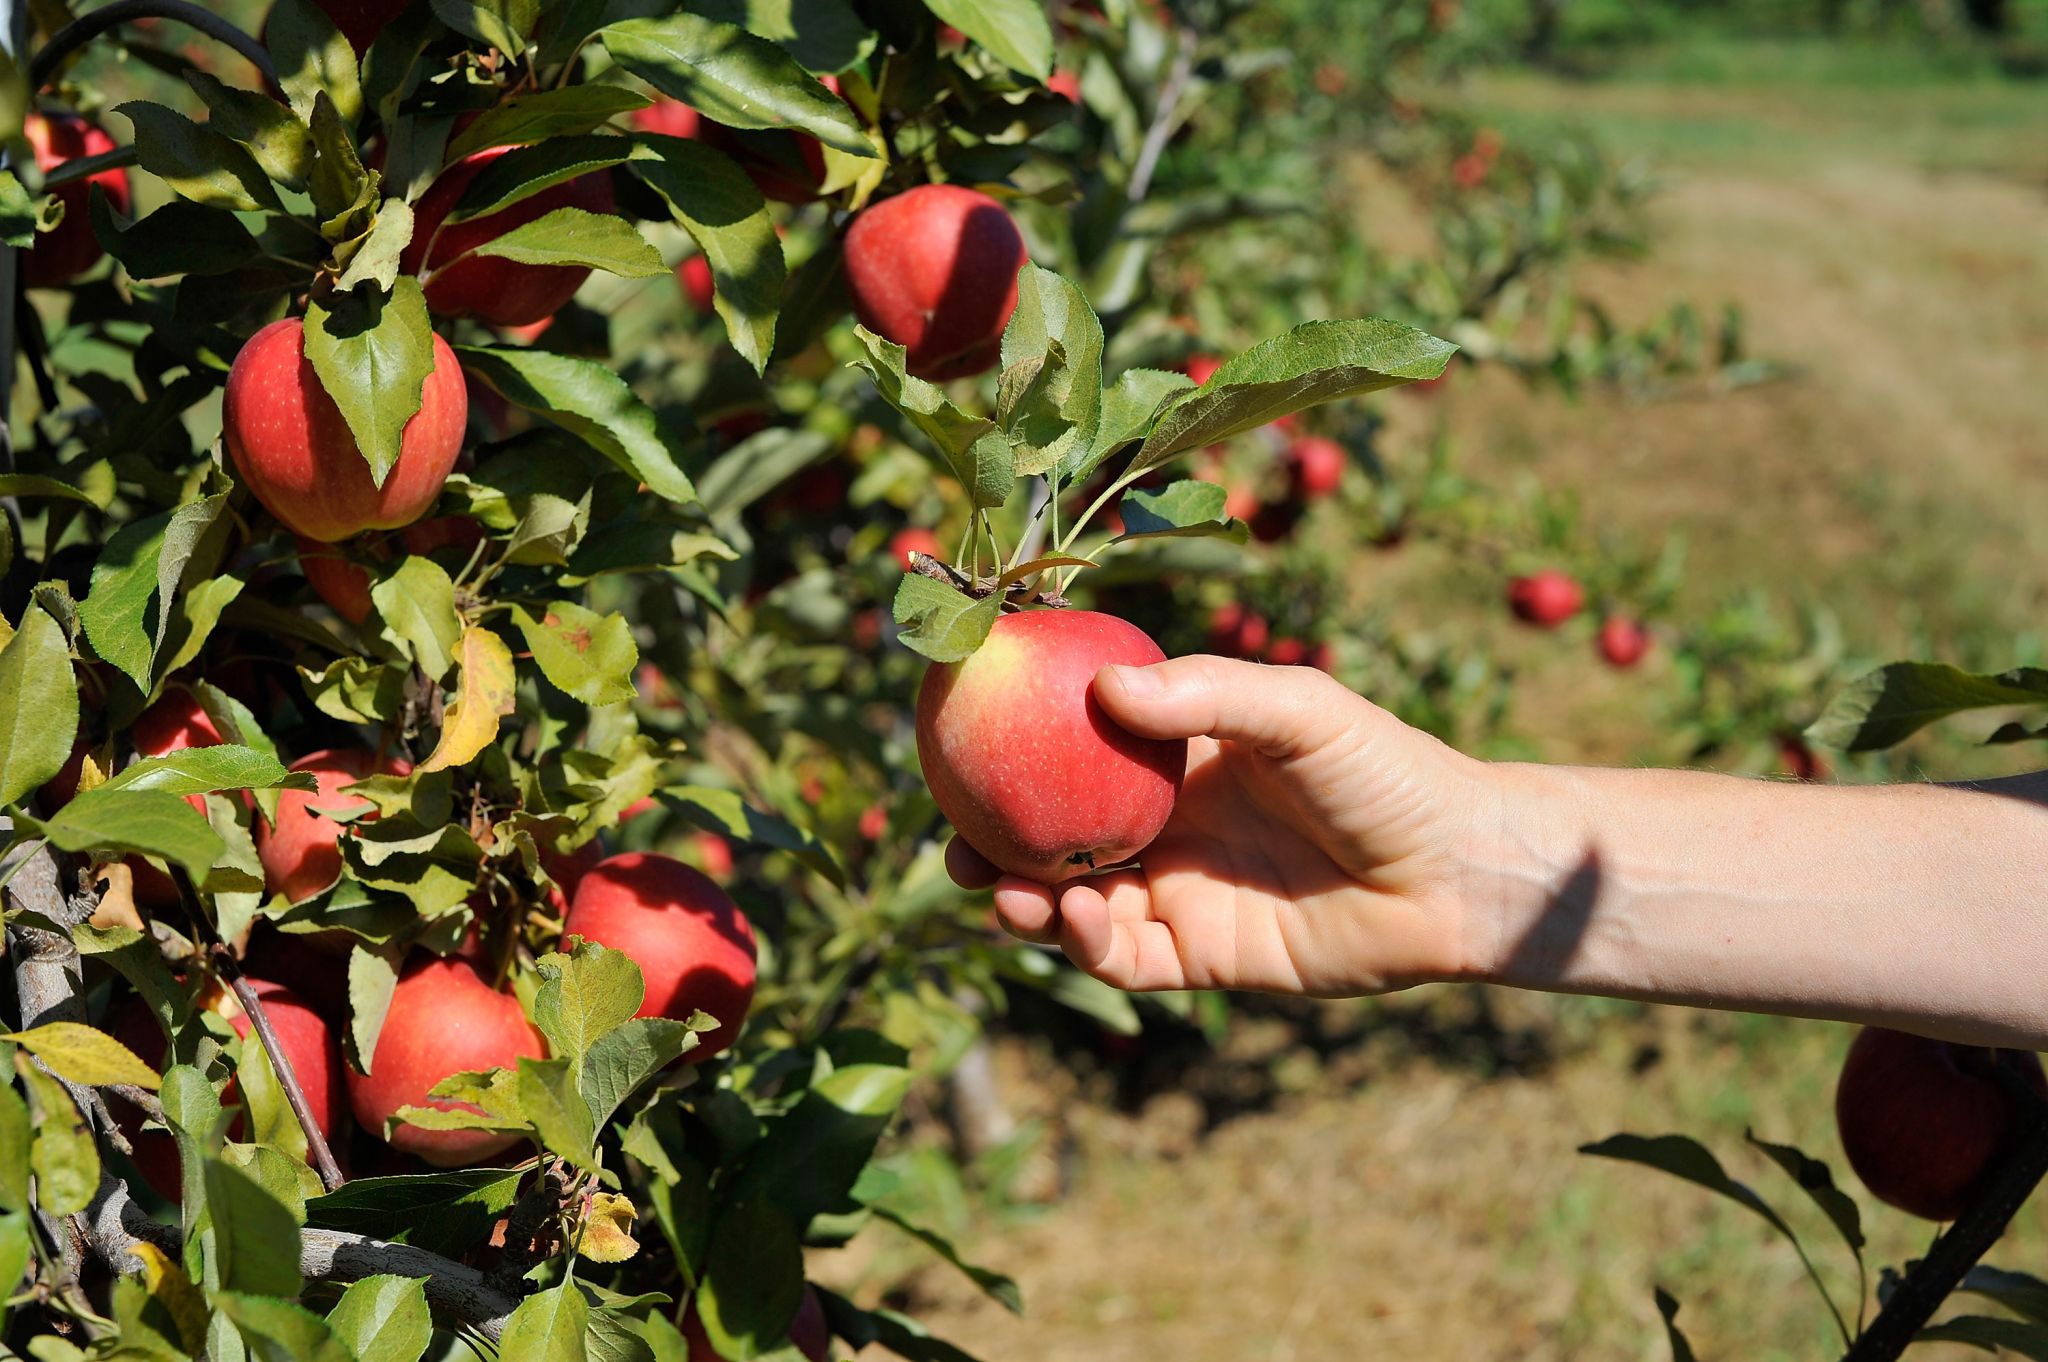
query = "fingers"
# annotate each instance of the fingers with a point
(968, 867)
(1104, 925)
(1282, 711)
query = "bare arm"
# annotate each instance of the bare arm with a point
(1322, 847)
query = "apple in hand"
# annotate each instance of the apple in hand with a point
(1023, 762)
(294, 451)
(694, 947)
(1924, 1121)
(491, 288)
(301, 851)
(1545, 599)
(69, 249)
(444, 1019)
(934, 269)
(310, 1047)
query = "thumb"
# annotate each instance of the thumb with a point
(1281, 711)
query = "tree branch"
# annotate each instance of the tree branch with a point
(83, 30)
(281, 1065)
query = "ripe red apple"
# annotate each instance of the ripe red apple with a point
(1287, 652)
(714, 853)
(344, 583)
(174, 723)
(301, 852)
(444, 1019)
(567, 869)
(1066, 84)
(694, 947)
(360, 21)
(69, 249)
(694, 274)
(1237, 632)
(1024, 763)
(1623, 641)
(490, 288)
(1923, 1121)
(874, 821)
(1201, 368)
(1545, 599)
(1315, 466)
(935, 270)
(294, 451)
(1799, 760)
(310, 1046)
(808, 1333)
(786, 166)
(915, 540)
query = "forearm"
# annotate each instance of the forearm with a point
(1918, 906)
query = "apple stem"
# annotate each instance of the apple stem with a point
(79, 32)
(281, 1065)
(1930, 1281)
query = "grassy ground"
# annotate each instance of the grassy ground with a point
(1400, 1177)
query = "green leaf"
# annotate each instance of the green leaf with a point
(823, 35)
(143, 821)
(1818, 1183)
(279, 143)
(575, 236)
(753, 1279)
(417, 604)
(522, 173)
(548, 531)
(15, 1244)
(16, 1137)
(996, 1286)
(619, 1061)
(17, 212)
(1674, 1337)
(375, 260)
(372, 352)
(592, 403)
(36, 485)
(583, 653)
(725, 214)
(941, 621)
(557, 1112)
(116, 608)
(279, 1331)
(1181, 509)
(756, 466)
(1895, 702)
(63, 1156)
(384, 1319)
(343, 189)
(256, 1240)
(1316, 362)
(312, 57)
(284, 1176)
(1050, 395)
(449, 1212)
(205, 770)
(180, 237)
(2019, 1292)
(194, 613)
(372, 978)
(196, 162)
(724, 811)
(732, 77)
(356, 690)
(505, 24)
(1990, 1334)
(1128, 409)
(548, 1326)
(1014, 31)
(83, 1054)
(526, 119)
(38, 705)
(583, 996)
(975, 452)
(814, 1153)
(1688, 1159)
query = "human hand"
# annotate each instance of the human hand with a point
(1316, 847)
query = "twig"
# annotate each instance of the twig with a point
(281, 1065)
(1154, 145)
(81, 31)
(1930, 1281)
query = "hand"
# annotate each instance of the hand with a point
(1315, 849)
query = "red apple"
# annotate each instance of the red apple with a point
(874, 821)
(1315, 466)
(310, 1046)
(1287, 652)
(1024, 763)
(360, 21)
(714, 853)
(1545, 599)
(1201, 368)
(301, 851)
(1469, 171)
(694, 947)
(1800, 761)
(490, 288)
(1065, 84)
(1623, 641)
(336, 579)
(296, 454)
(786, 166)
(1923, 1121)
(69, 249)
(915, 540)
(935, 270)
(1237, 632)
(808, 1333)
(176, 722)
(444, 1019)
(567, 869)
(694, 274)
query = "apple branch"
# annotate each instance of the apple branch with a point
(1934, 1278)
(83, 30)
(281, 1065)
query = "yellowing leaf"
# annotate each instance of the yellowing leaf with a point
(167, 1281)
(483, 695)
(84, 1054)
(608, 1229)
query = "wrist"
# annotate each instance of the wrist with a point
(1527, 873)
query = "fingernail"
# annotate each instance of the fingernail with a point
(1139, 683)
